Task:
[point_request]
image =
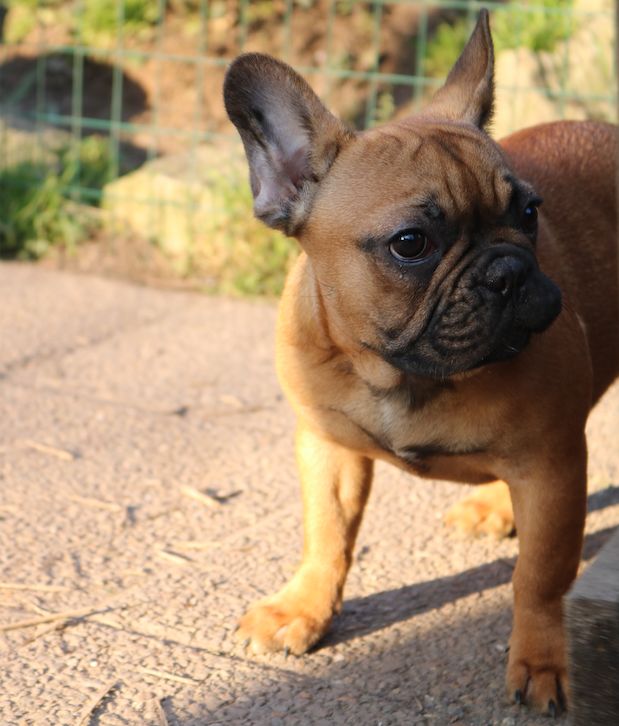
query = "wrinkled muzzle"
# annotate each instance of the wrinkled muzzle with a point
(486, 315)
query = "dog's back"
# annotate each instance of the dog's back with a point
(573, 166)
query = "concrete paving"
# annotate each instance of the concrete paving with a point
(148, 494)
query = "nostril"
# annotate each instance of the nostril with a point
(520, 277)
(507, 286)
(504, 275)
(499, 280)
(503, 285)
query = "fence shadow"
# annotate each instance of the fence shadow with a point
(44, 85)
(37, 96)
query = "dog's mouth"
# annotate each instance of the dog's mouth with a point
(510, 317)
(479, 330)
(509, 346)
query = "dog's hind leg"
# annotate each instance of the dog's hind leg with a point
(487, 511)
(336, 484)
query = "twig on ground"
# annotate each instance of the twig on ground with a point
(50, 450)
(33, 587)
(196, 545)
(55, 627)
(52, 617)
(149, 630)
(174, 557)
(166, 676)
(206, 499)
(95, 702)
(108, 622)
(96, 503)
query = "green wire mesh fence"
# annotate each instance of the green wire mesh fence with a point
(115, 105)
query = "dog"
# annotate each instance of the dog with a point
(442, 319)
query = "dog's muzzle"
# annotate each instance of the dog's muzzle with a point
(487, 315)
(531, 300)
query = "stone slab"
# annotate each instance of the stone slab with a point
(592, 613)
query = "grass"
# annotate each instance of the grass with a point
(97, 21)
(34, 213)
(240, 254)
(513, 26)
(102, 17)
(538, 29)
(46, 205)
(42, 203)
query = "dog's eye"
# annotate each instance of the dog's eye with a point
(529, 218)
(410, 246)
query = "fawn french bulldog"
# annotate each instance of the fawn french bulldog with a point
(442, 319)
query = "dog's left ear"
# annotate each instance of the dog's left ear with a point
(468, 93)
(290, 138)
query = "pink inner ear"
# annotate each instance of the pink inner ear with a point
(295, 166)
(279, 177)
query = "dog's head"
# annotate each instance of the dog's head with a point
(421, 237)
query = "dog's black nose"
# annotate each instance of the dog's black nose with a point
(506, 274)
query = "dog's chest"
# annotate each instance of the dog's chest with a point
(404, 422)
(419, 430)
(403, 427)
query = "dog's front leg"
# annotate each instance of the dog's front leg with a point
(336, 483)
(550, 513)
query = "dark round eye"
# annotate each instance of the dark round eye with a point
(529, 218)
(410, 245)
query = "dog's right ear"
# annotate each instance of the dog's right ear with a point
(290, 138)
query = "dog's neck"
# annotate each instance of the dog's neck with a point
(333, 341)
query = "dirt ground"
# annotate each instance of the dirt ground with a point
(148, 494)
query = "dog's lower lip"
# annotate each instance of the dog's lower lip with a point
(511, 344)
(516, 340)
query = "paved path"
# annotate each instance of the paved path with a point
(119, 402)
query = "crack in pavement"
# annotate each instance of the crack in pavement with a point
(8, 368)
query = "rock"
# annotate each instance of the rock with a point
(573, 81)
(520, 98)
(177, 198)
(592, 619)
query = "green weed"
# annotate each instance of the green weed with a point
(102, 19)
(41, 203)
(513, 26)
(34, 212)
(538, 28)
(445, 46)
(34, 4)
(385, 107)
(87, 168)
(240, 254)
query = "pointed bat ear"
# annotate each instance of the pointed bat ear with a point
(290, 138)
(468, 93)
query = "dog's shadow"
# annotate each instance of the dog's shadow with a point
(363, 615)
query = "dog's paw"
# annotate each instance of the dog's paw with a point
(538, 681)
(488, 511)
(283, 622)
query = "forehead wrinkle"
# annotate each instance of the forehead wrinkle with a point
(495, 186)
(395, 135)
(505, 189)
(455, 177)
(386, 144)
